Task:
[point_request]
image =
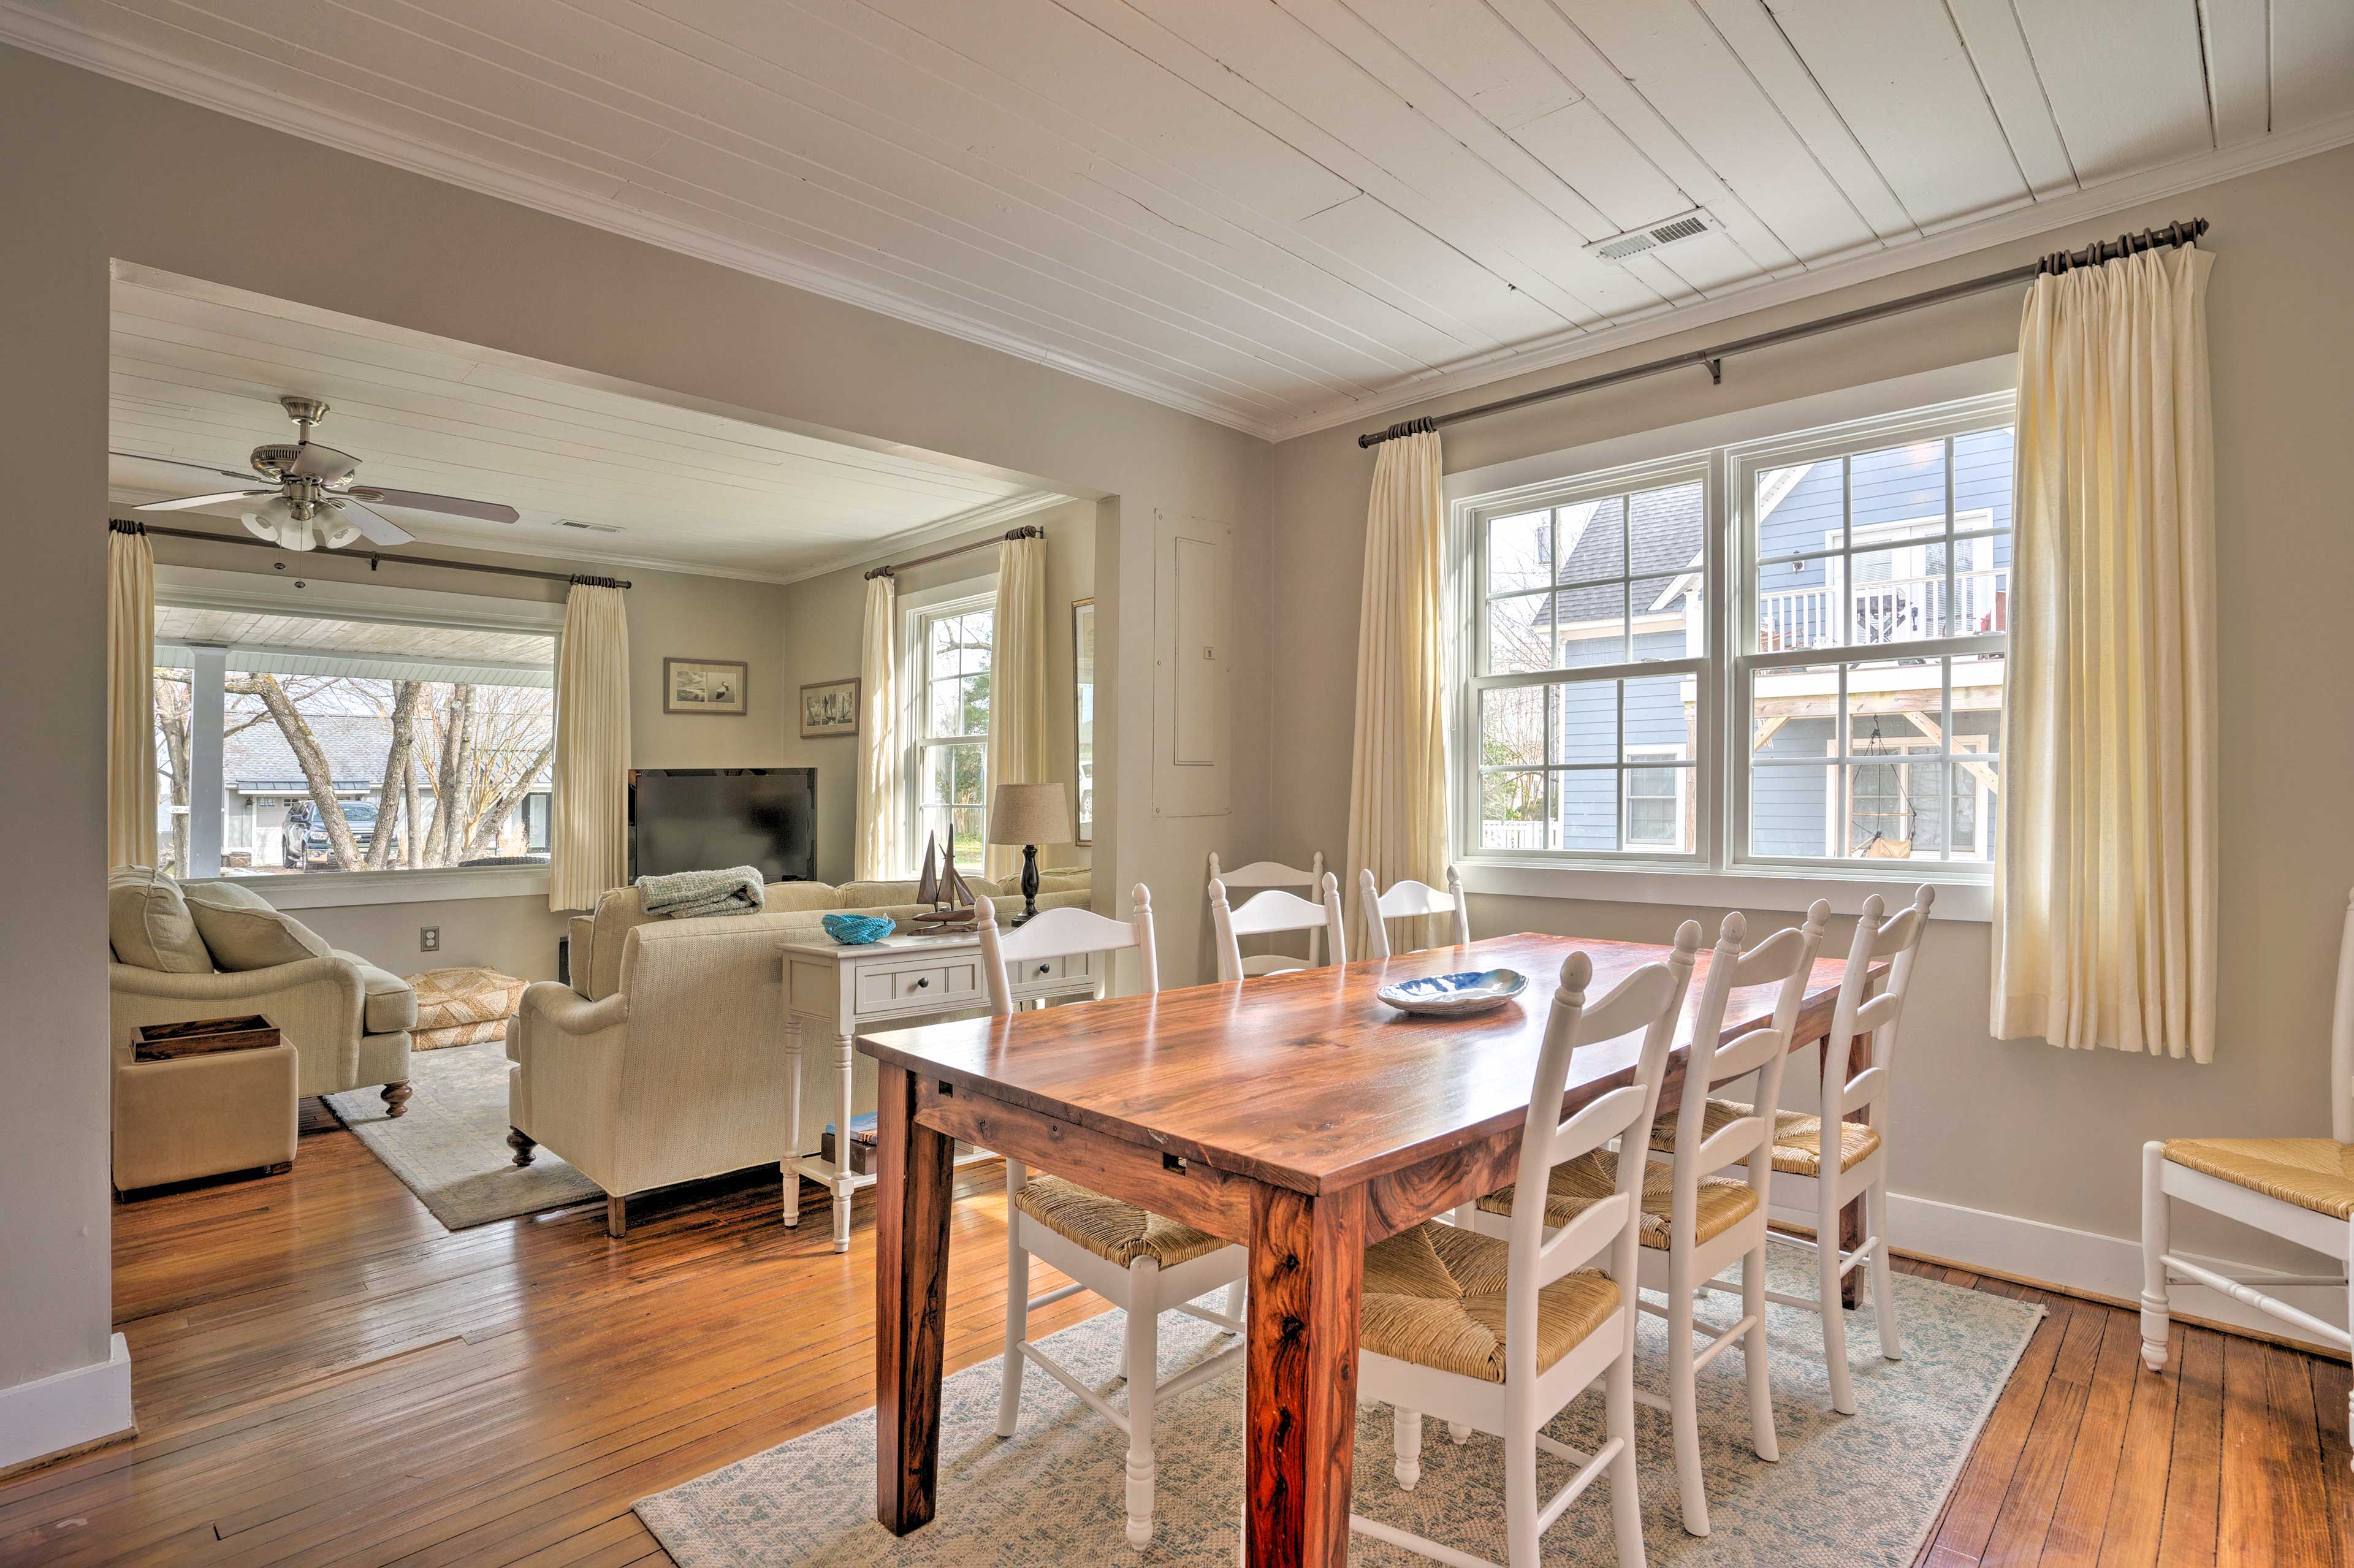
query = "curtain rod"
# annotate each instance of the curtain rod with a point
(132, 525)
(1712, 359)
(1027, 531)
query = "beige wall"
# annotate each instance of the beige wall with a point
(2017, 1127)
(113, 171)
(824, 625)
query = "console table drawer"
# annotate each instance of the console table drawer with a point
(1038, 971)
(890, 989)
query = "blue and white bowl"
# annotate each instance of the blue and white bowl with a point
(1453, 996)
(857, 930)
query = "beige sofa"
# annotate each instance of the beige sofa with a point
(662, 1061)
(347, 1020)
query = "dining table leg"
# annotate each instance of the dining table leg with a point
(913, 1193)
(1307, 1279)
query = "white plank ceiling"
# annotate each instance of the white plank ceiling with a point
(1281, 213)
(599, 473)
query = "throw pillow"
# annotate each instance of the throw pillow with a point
(148, 923)
(245, 932)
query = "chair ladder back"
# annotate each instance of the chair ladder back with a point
(1261, 874)
(1650, 999)
(1784, 959)
(1407, 900)
(1063, 933)
(2341, 1036)
(1875, 1018)
(1271, 912)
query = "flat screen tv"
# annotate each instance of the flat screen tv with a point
(708, 819)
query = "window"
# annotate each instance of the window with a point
(949, 644)
(289, 744)
(1787, 653)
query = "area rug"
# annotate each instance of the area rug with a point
(451, 1147)
(1847, 1491)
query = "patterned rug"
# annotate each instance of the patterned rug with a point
(451, 1149)
(1849, 1491)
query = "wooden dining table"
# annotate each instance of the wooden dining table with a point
(1296, 1113)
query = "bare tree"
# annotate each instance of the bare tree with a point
(174, 719)
(399, 782)
(317, 775)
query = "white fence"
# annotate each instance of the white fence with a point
(1896, 611)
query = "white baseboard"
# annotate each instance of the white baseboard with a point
(66, 1410)
(2095, 1264)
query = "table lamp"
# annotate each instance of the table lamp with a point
(1030, 815)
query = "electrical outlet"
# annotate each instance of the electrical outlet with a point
(429, 938)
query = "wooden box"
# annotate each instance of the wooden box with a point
(202, 1037)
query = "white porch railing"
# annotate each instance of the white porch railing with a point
(1897, 610)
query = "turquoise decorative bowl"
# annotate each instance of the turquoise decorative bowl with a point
(857, 930)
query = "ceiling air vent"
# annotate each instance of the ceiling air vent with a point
(1636, 242)
(587, 527)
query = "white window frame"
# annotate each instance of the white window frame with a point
(1727, 449)
(277, 594)
(922, 609)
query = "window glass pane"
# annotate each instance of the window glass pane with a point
(976, 632)
(1511, 727)
(1895, 705)
(1667, 526)
(1894, 596)
(1586, 810)
(1669, 621)
(1796, 509)
(946, 707)
(1586, 721)
(1884, 809)
(1793, 713)
(1656, 814)
(972, 705)
(1519, 552)
(1792, 809)
(1797, 605)
(1977, 704)
(1592, 625)
(1981, 586)
(1519, 635)
(1659, 716)
(1512, 812)
(1897, 493)
(1593, 539)
(173, 733)
(946, 655)
(1982, 476)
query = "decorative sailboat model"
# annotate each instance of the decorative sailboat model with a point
(950, 900)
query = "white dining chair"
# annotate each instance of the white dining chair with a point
(1409, 899)
(2299, 1189)
(1499, 1333)
(1696, 1222)
(1801, 1186)
(1142, 1263)
(1265, 873)
(1271, 913)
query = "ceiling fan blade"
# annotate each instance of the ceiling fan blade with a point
(323, 463)
(374, 526)
(422, 501)
(186, 502)
(206, 467)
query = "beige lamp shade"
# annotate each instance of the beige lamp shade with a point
(1029, 814)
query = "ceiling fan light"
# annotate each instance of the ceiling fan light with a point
(274, 520)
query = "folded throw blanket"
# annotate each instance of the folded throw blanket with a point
(687, 894)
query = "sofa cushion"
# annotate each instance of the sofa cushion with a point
(149, 926)
(391, 1006)
(893, 895)
(792, 897)
(243, 931)
(597, 974)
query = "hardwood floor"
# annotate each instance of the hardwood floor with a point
(323, 1374)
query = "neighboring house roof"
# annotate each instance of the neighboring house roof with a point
(1667, 528)
(256, 759)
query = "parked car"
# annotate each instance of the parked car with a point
(305, 837)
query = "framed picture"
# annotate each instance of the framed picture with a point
(829, 708)
(1083, 670)
(704, 686)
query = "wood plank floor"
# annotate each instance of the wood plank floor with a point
(323, 1374)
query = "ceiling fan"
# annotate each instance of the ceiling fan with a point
(307, 497)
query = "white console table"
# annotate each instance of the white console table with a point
(834, 992)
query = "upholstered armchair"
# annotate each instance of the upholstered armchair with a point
(217, 950)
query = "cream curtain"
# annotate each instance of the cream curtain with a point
(1017, 685)
(1397, 771)
(2104, 885)
(588, 850)
(131, 699)
(881, 851)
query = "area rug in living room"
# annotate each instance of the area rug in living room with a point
(451, 1147)
(1849, 1491)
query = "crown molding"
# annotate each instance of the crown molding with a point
(995, 511)
(129, 63)
(143, 68)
